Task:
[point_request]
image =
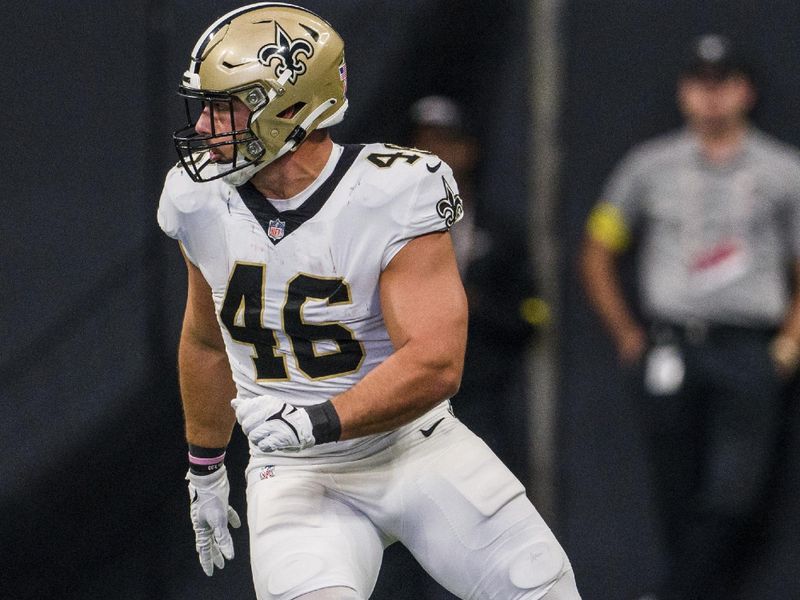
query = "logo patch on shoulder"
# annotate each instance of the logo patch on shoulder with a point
(267, 472)
(451, 207)
(276, 229)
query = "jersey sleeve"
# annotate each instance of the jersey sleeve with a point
(624, 187)
(431, 203)
(169, 215)
(786, 170)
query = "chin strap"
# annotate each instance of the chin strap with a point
(243, 175)
(299, 133)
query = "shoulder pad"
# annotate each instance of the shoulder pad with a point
(189, 196)
(183, 199)
(396, 171)
(412, 189)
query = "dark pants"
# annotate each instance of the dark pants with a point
(713, 444)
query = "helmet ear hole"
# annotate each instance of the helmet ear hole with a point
(290, 112)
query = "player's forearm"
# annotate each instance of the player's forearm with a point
(402, 388)
(206, 392)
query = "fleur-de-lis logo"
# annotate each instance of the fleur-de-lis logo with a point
(451, 207)
(286, 52)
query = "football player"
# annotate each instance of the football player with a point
(324, 298)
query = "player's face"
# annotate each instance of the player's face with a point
(714, 105)
(223, 118)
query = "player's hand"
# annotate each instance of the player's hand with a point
(272, 424)
(211, 516)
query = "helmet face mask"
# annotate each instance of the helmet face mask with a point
(197, 150)
(283, 64)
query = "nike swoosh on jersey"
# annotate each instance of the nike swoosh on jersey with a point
(434, 168)
(427, 432)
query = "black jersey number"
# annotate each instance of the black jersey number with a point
(242, 315)
(348, 352)
(387, 159)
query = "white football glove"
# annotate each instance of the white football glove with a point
(211, 515)
(272, 424)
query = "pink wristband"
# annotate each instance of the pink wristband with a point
(205, 462)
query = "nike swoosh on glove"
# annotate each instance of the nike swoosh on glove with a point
(211, 515)
(272, 424)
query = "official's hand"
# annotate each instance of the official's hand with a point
(272, 424)
(785, 353)
(211, 516)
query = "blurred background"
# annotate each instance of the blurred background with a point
(552, 93)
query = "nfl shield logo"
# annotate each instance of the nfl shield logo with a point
(276, 229)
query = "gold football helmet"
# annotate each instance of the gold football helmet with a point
(284, 63)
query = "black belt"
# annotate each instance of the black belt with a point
(702, 332)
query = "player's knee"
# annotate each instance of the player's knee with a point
(542, 566)
(332, 593)
(563, 589)
(291, 578)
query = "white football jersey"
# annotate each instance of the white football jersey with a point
(296, 292)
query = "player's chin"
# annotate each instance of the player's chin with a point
(219, 158)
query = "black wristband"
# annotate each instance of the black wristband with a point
(325, 424)
(205, 461)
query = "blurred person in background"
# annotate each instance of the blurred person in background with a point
(713, 212)
(437, 126)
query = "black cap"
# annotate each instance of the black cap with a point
(714, 56)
